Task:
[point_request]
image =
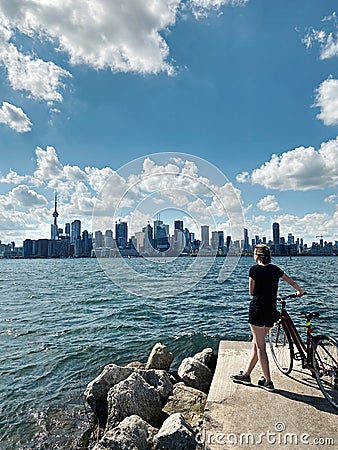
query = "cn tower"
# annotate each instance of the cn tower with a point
(55, 213)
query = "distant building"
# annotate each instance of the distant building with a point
(276, 238)
(75, 231)
(228, 243)
(139, 241)
(28, 248)
(221, 241)
(205, 235)
(121, 234)
(42, 248)
(161, 236)
(148, 246)
(246, 245)
(58, 248)
(67, 230)
(98, 239)
(178, 225)
(188, 240)
(179, 239)
(214, 240)
(108, 239)
(322, 249)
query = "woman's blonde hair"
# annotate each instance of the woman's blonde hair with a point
(263, 253)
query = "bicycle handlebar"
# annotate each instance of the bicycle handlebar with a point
(289, 296)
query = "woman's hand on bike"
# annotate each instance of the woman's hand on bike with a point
(300, 293)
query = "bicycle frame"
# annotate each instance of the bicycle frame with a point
(304, 349)
(318, 354)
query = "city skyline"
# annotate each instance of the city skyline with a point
(250, 87)
(73, 229)
(71, 241)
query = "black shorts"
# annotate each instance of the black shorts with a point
(262, 315)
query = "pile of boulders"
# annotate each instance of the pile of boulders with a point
(147, 407)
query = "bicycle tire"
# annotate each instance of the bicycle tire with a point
(281, 347)
(325, 364)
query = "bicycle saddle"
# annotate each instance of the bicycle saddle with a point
(310, 315)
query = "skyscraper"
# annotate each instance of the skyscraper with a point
(246, 245)
(161, 235)
(228, 243)
(98, 239)
(276, 237)
(75, 231)
(67, 230)
(214, 240)
(178, 225)
(179, 240)
(221, 241)
(121, 234)
(205, 235)
(148, 239)
(108, 239)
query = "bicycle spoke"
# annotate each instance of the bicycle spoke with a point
(325, 361)
(281, 348)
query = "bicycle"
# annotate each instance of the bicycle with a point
(319, 354)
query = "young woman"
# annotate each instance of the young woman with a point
(263, 286)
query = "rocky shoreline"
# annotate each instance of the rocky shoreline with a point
(147, 406)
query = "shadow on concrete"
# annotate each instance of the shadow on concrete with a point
(319, 403)
(304, 378)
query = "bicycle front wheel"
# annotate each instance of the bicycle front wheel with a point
(281, 348)
(325, 363)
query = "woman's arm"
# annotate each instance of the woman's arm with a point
(289, 280)
(251, 285)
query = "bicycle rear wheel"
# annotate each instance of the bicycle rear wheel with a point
(325, 363)
(281, 348)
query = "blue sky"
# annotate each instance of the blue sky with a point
(232, 82)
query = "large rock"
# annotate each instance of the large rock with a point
(160, 380)
(133, 396)
(195, 374)
(188, 401)
(207, 357)
(97, 390)
(175, 434)
(136, 365)
(133, 433)
(159, 358)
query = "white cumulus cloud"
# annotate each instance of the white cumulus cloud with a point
(268, 204)
(15, 118)
(41, 79)
(13, 178)
(27, 197)
(327, 101)
(123, 36)
(301, 169)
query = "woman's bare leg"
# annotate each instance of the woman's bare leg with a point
(259, 334)
(253, 359)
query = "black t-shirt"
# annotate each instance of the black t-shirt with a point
(266, 281)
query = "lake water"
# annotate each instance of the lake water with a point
(61, 321)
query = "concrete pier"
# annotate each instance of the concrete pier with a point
(295, 416)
